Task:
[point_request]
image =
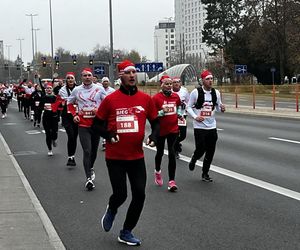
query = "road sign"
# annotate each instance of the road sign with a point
(240, 69)
(149, 67)
(99, 69)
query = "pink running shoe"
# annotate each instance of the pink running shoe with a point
(172, 186)
(158, 178)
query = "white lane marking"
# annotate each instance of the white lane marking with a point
(32, 132)
(9, 123)
(244, 178)
(285, 140)
(54, 239)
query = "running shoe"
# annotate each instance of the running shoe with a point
(50, 153)
(128, 238)
(192, 163)
(93, 175)
(172, 186)
(89, 185)
(107, 220)
(71, 161)
(158, 178)
(206, 178)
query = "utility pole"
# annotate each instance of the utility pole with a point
(51, 35)
(21, 56)
(36, 46)
(32, 37)
(111, 56)
(8, 55)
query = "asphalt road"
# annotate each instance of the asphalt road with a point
(230, 213)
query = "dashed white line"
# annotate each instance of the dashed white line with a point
(285, 140)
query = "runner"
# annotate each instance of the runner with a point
(27, 103)
(125, 112)
(49, 104)
(203, 103)
(169, 110)
(4, 99)
(88, 97)
(67, 119)
(36, 97)
(183, 94)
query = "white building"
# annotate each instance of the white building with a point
(190, 17)
(164, 41)
(1, 50)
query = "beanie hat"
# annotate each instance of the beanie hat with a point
(176, 79)
(70, 74)
(105, 79)
(206, 74)
(49, 84)
(126, 65)
(87, 70)
(163, 79)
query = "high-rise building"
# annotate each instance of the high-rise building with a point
(164, 41)
(190, 17)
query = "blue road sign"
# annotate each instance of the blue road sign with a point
(240, 69)
(99, 69)
(149, 67)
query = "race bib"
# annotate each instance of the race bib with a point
(48, 106)
(127, 124)
(206, 111)
(182, 122)
(88, 113)
(169, 109)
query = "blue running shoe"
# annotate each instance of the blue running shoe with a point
(127, 237)
(108, 220)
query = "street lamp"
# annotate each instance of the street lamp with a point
(36, 46)
(51, 34)
(21, 56)
(111, 57)
(8, 55)
(32, 37)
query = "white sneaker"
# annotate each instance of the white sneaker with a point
(3, 116)
(93, 175)
(50, 153)
(89, 185)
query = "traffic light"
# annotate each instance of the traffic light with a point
(91, 61)
(74, 61)
(57, 64)
(44, 63)
(5, 66)
(28, 68)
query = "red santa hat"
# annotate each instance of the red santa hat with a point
(48, 84)
(176, 79)
(70, 74)
(126, 65)
(205, 74)
(164, 78)
(87, 70)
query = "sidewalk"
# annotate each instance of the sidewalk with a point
(23, 222)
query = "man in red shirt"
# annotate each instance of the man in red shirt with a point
(168, 105)
(121, 119)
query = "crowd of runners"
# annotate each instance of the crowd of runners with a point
(93, 111)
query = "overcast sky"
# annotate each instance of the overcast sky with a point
(79, 25)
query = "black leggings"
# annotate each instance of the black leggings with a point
(72, 133)
(26, 105)
(89, 142)
(50, 125)
(205, 142)
(171, 139)
(136, 172)
(180, 138)
(3, 108)
(37, 115)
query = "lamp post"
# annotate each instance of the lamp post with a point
(51, 37)
(111, 57)
(8, 56)
(21, 56)
(35, 41)
(32, 37)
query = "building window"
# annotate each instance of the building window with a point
(172, 47)
(167, 47)
(172, 36)
(166, 36)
